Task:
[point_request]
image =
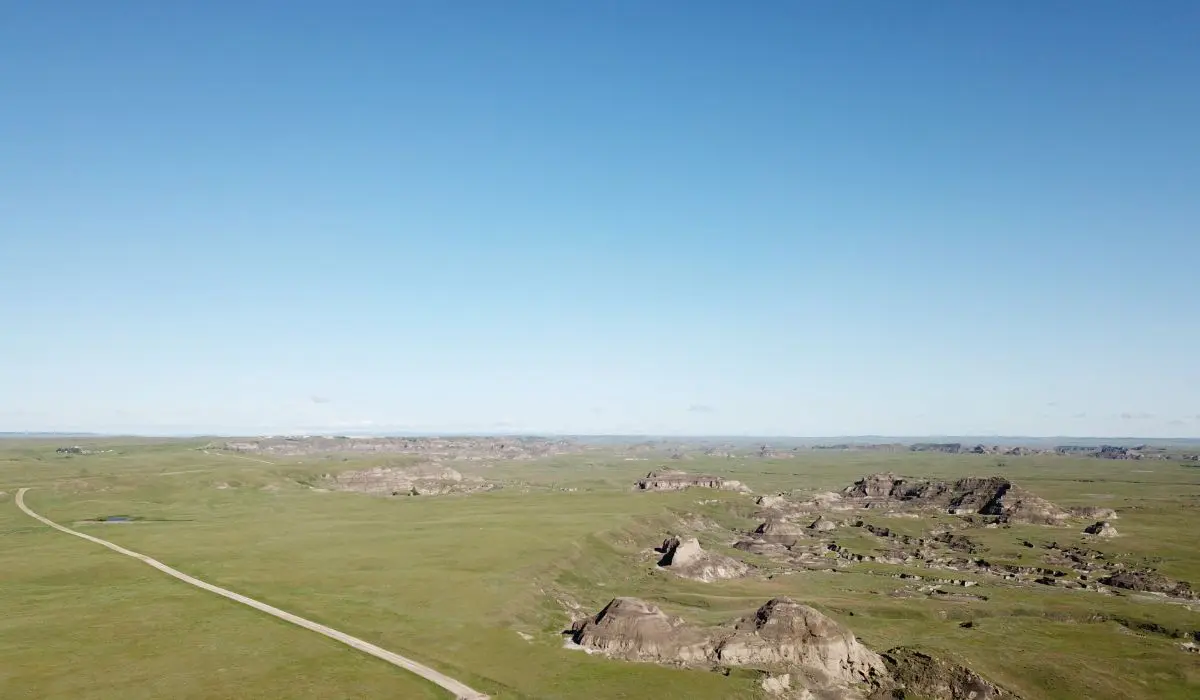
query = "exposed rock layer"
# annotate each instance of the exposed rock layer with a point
(992, 496)
(808, 652)
(1101, 529)
(677, 480)
(1149, 582)
(780, 634)
(919, 675)
(687, 559)
(406, 481)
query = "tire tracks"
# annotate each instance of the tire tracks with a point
(460, 690)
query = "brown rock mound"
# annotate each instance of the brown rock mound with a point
(781, 634)
(784, 633)
(1101, 529)
(779, 532)
(784, 636)
(772, 501)
(687, 559)
(633, 629)
(919, 675)
(677, 480)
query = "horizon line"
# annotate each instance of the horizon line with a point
(877, 438)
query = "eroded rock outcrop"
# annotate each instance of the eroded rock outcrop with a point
(772, 501)
(782, 634)
(1000, 497)
(883, 486)
(1149, 582)
(779, 532)
(1101, 529)
(424, 480)
(677, 480)
(687, 559)
(779, 686)
(786, 634)
(919, 675)
(992, 496)
(632, 629)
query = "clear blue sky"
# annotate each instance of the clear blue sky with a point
(788, 218)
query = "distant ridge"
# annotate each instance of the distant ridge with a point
(29, 434)
(603, 439)
(1000, 440)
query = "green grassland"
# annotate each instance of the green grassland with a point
(452, 580)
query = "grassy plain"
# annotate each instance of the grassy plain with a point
(452, 580)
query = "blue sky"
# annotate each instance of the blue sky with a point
(696, 218)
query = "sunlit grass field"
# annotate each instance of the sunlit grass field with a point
(452, 580)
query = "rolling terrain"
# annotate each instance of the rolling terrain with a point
(481, 583)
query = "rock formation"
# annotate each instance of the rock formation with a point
(993, 496)
(406, 481)
(1149, 582)
(632, 629)
(921, 675)
(782, 634)
(1095, 513)
(779, 532)
(778, 685)
(884, 486)
(677, 480)
(806, 654)
(772, 501)
(999, 497)
(785, 634)
(1101, 529)
(687, 559)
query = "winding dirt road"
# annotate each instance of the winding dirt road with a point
(461, 691)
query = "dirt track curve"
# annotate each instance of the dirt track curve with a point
(461, 691)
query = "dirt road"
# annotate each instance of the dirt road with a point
(461, 691)
(226, 454)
